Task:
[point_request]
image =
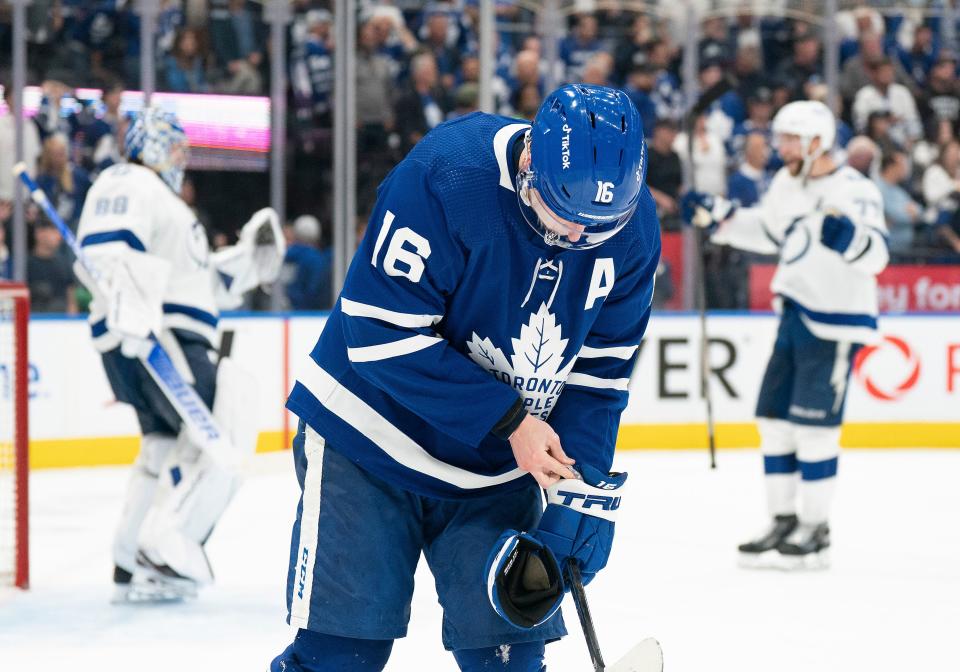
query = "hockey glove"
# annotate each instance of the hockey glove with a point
(524, 581)
(523, 571)
(705, 210)
(837, 232)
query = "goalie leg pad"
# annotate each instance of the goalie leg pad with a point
(141, 489)
(236, 397)
(194, 493)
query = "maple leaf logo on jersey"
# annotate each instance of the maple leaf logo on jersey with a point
(534, 367)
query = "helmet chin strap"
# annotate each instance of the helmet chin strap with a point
(808, 158)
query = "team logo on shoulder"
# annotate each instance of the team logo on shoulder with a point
(534, 368)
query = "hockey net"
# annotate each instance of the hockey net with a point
(14, 315)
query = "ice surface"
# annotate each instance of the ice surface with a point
(890, 602)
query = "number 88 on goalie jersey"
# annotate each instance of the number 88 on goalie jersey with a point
(454, 308)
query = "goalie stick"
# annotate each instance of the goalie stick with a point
(644, 657)
(201, 426)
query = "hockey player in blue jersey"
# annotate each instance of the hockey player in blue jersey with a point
(480, 351)
(826, 224)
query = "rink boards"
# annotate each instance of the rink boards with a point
(905, 390)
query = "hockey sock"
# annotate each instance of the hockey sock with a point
(317, 652)
(818, 450)
(779, 465)
(524, 657)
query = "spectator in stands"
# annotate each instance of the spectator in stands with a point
(748, 66)
(49, 275)
(803, 66)
(598, 69)
(918, 61)
(470, 74)
(526, 72)
(423, 105)
(436, 41)
(577, 48)
(639, 86)
(715, 44)
(65, 184)
(31, 146)
(751, 180)
(306, 269)
(633, 48)
(862, 153)
(374, 108)
(901, 211)
(759, 117)
(101, 149)
(184, 68)
(237, 43)
(883, 93)
(879, 125)
(312, 70)
(940, 180)
(527, 101)
(668, 91)
(394, 39)
(665, 172)
(855, 73)
(709, 158)
(940, 98)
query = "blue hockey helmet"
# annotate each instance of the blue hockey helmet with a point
(587, 166)
(156, 139)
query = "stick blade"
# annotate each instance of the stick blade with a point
(644, 657)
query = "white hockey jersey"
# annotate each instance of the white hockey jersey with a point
(836, 294)
(130, 207)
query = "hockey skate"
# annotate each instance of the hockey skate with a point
(762, 553)
(151, 584)
(807, 547)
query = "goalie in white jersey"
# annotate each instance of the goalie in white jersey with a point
(155, 276)
(826, 224)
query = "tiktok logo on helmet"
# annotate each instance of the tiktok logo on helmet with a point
(587, 165)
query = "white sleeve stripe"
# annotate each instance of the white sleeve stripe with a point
(377, 429)
(584, 380)
(624, 352)
(404, 346)
(356, 309)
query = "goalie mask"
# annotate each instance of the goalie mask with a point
(587, 164)
(157, 140)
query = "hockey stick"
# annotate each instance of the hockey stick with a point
(200, 423)
(644, 657)
(709, 96)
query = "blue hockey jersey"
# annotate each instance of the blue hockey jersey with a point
(453, 308)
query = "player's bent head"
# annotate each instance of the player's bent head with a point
(156, 139)
(585, 166)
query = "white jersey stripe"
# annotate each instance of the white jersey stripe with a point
(584, 380)
(357, 309)
(309, 530)
(365, 419)
(404, 346)
(625, 352)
